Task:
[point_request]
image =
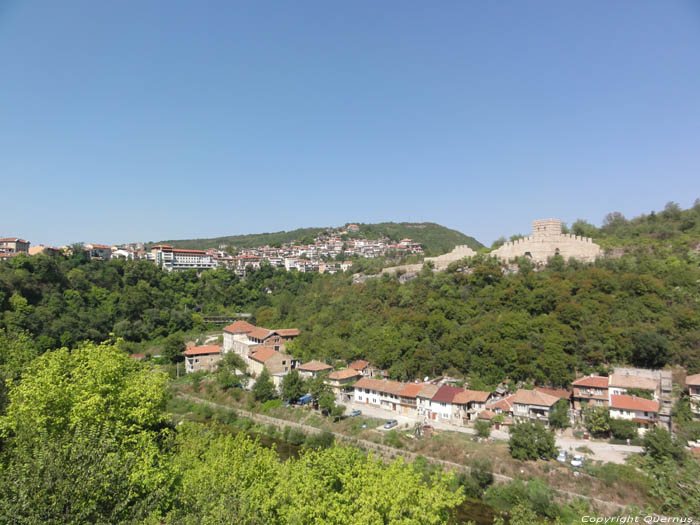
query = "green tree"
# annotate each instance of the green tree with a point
(597, 420)
(293, 387)
(660, 445)
(623, 428)
(483, 428)
(317, 386)
(264, 389)
(651, 350)
(173, 348)
(559, 414)
(531, 441)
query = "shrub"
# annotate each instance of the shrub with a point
(623, 428)
(296, 436)
(270, 405)
(393, 439)
(531, 441)
(483, 428)
(319, 441)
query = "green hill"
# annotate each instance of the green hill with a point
(436, 239)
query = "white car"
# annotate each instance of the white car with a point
(577, 461)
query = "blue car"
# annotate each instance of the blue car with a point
(304, 400)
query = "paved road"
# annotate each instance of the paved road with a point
(605, 452)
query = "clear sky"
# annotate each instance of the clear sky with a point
(136, 120)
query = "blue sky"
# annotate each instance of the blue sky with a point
(127, 121)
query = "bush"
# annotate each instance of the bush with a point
(270, 405)
(393, 439)
(296, 436)
(531, 441)
(483, 428)
(319, 441)
(623, 428)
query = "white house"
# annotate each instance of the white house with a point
(642, 411)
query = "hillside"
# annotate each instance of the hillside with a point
(436, 239)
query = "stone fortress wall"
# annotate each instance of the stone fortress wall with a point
(441, 262)
(546, 241)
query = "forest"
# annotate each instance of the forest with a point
(639, 307)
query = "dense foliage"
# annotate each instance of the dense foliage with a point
(86, 440)
(530, 441)
(436, 239)
(642, 308)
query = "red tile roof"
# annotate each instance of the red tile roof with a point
(12, 239)
(633, 403)
(259, 333)
(314, 366)
(556, 392)
(261, 354)
(380, 385)
(202, 350)
(240, 327)
(471, 396)
(411, 390)
(533, 397)
(592, 381)
(486, 414)
(137, 357)
(446, 393)
(358, 365)
(505, 404)
(347, 373)
(693, 380)
(288, 332)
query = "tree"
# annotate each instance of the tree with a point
(317, 386)
(651, 350)
(293, 387)
(559, 414)
(91, 385)
(173, 347)
(597, 420)
(483, 428)
(264, 388)
(660, 445)
(531, 441)
(623, 428)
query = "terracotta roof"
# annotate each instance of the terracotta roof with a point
(533, 397)
(358, 365)
(411, 390)
(261, 354)
(202, 350)
(259, 333)
(592, 381)
(240, 327)
(314, 366)
(12, 239)
(428, 390)
(103, 246)
(556, 392)
(629, 381)
(633, 403)
(388, 387)
(693, 380)
(505, 404)
(288, 332)
(486, 414)
(446, 393)
(137, 357)
(471, 396)
(344, 374)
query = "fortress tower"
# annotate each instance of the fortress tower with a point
(546, 241)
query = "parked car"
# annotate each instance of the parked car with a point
(563, 456)
(355, 413)
(303, 400)
(391, 424)
(577, 461)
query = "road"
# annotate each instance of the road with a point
(601, 451)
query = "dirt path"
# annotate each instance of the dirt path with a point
(384, 450)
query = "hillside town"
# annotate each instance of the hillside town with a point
(329, 252)
(642, 396)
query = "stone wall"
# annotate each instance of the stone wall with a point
(546, 241)
(441, 262)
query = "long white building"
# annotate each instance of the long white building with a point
(177, 259)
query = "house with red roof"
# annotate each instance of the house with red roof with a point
(408, 399)
(342, 382)
(202, 358)
(467, 404)
(314, 368)
(532, 405)
(378, 392)
(590, 391)
(644, 412)
(278, 364)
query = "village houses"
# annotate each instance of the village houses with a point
(202, 358)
